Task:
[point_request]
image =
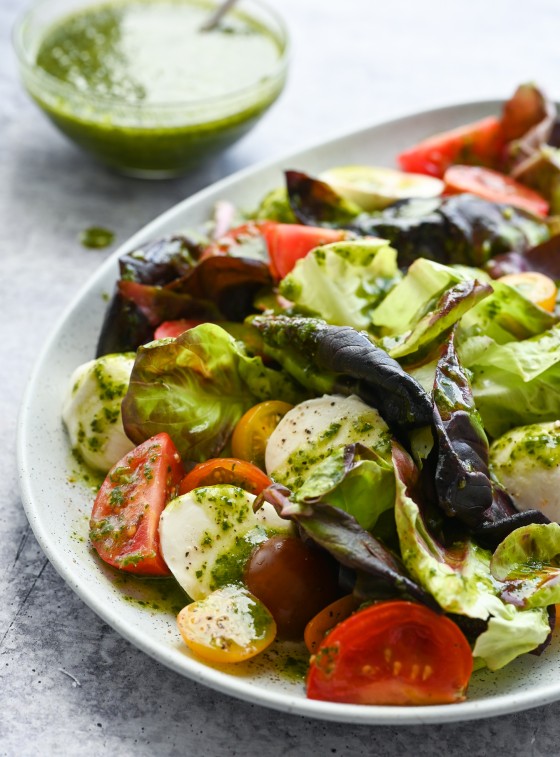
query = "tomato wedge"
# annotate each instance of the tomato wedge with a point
(253, 430)
(288, 242)
(479, 143)
(226, 470)
(392, 653)
(494, 186)
(175, 328)
(125, 518)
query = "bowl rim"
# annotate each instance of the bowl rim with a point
(49, 83)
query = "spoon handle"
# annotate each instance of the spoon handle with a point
(216, 17)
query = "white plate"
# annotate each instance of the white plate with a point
(58, 510)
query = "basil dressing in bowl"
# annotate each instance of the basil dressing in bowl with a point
(138, 85)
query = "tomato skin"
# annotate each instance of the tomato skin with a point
(176, 328)
(494, 186)
(326, 620)
(226, 470)
(293, 580)
(251, 434)
(478, 143)
(125, 517)
(392, 653)
(288, 242)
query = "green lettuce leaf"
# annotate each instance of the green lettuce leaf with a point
(505, 315)
(460, 580)
(343, 282)
(528, 563)
(517, 383)
(196, 388)
(449, 309)
(358, 481)
(511, 634)
(414, 296)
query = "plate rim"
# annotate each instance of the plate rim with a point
(197, 671)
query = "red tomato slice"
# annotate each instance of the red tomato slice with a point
(125, 518)
(479, 143)
(392, 653)
(175, 328)
(226, 470)
(494, 186)
(288, 242)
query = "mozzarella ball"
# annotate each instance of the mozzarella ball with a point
(526, 461)
(92, 410)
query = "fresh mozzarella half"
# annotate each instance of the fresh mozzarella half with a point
(207, 535)
(92, 410)
(526, 461)
(310, 431)
(376, 187)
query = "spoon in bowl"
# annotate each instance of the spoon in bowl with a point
(217, 16)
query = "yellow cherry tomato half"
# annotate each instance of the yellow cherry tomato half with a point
(230, 625)
(253, 431)
(330, 616)
(535, 286)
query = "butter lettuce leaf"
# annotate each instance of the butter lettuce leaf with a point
(196, 388)
(460, 580)
(506, 315)
(447, 311)
(355, 479)
(511, 634)
(414, 296)
(527, 562)
(343, 282)
(458, 577)
(517, 383)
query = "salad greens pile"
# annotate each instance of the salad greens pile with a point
(407, 312)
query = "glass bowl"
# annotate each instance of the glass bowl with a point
(142, 139)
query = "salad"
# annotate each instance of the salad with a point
(336, 419)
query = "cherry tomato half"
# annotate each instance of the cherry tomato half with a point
(226, 470)
(293, 580)
(535, 286)
(125, 518)
(326, 620)
(229, 625)
(392, 653)
(253, 430)
(494, 186)
(479, 143)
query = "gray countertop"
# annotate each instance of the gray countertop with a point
(353, 62)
